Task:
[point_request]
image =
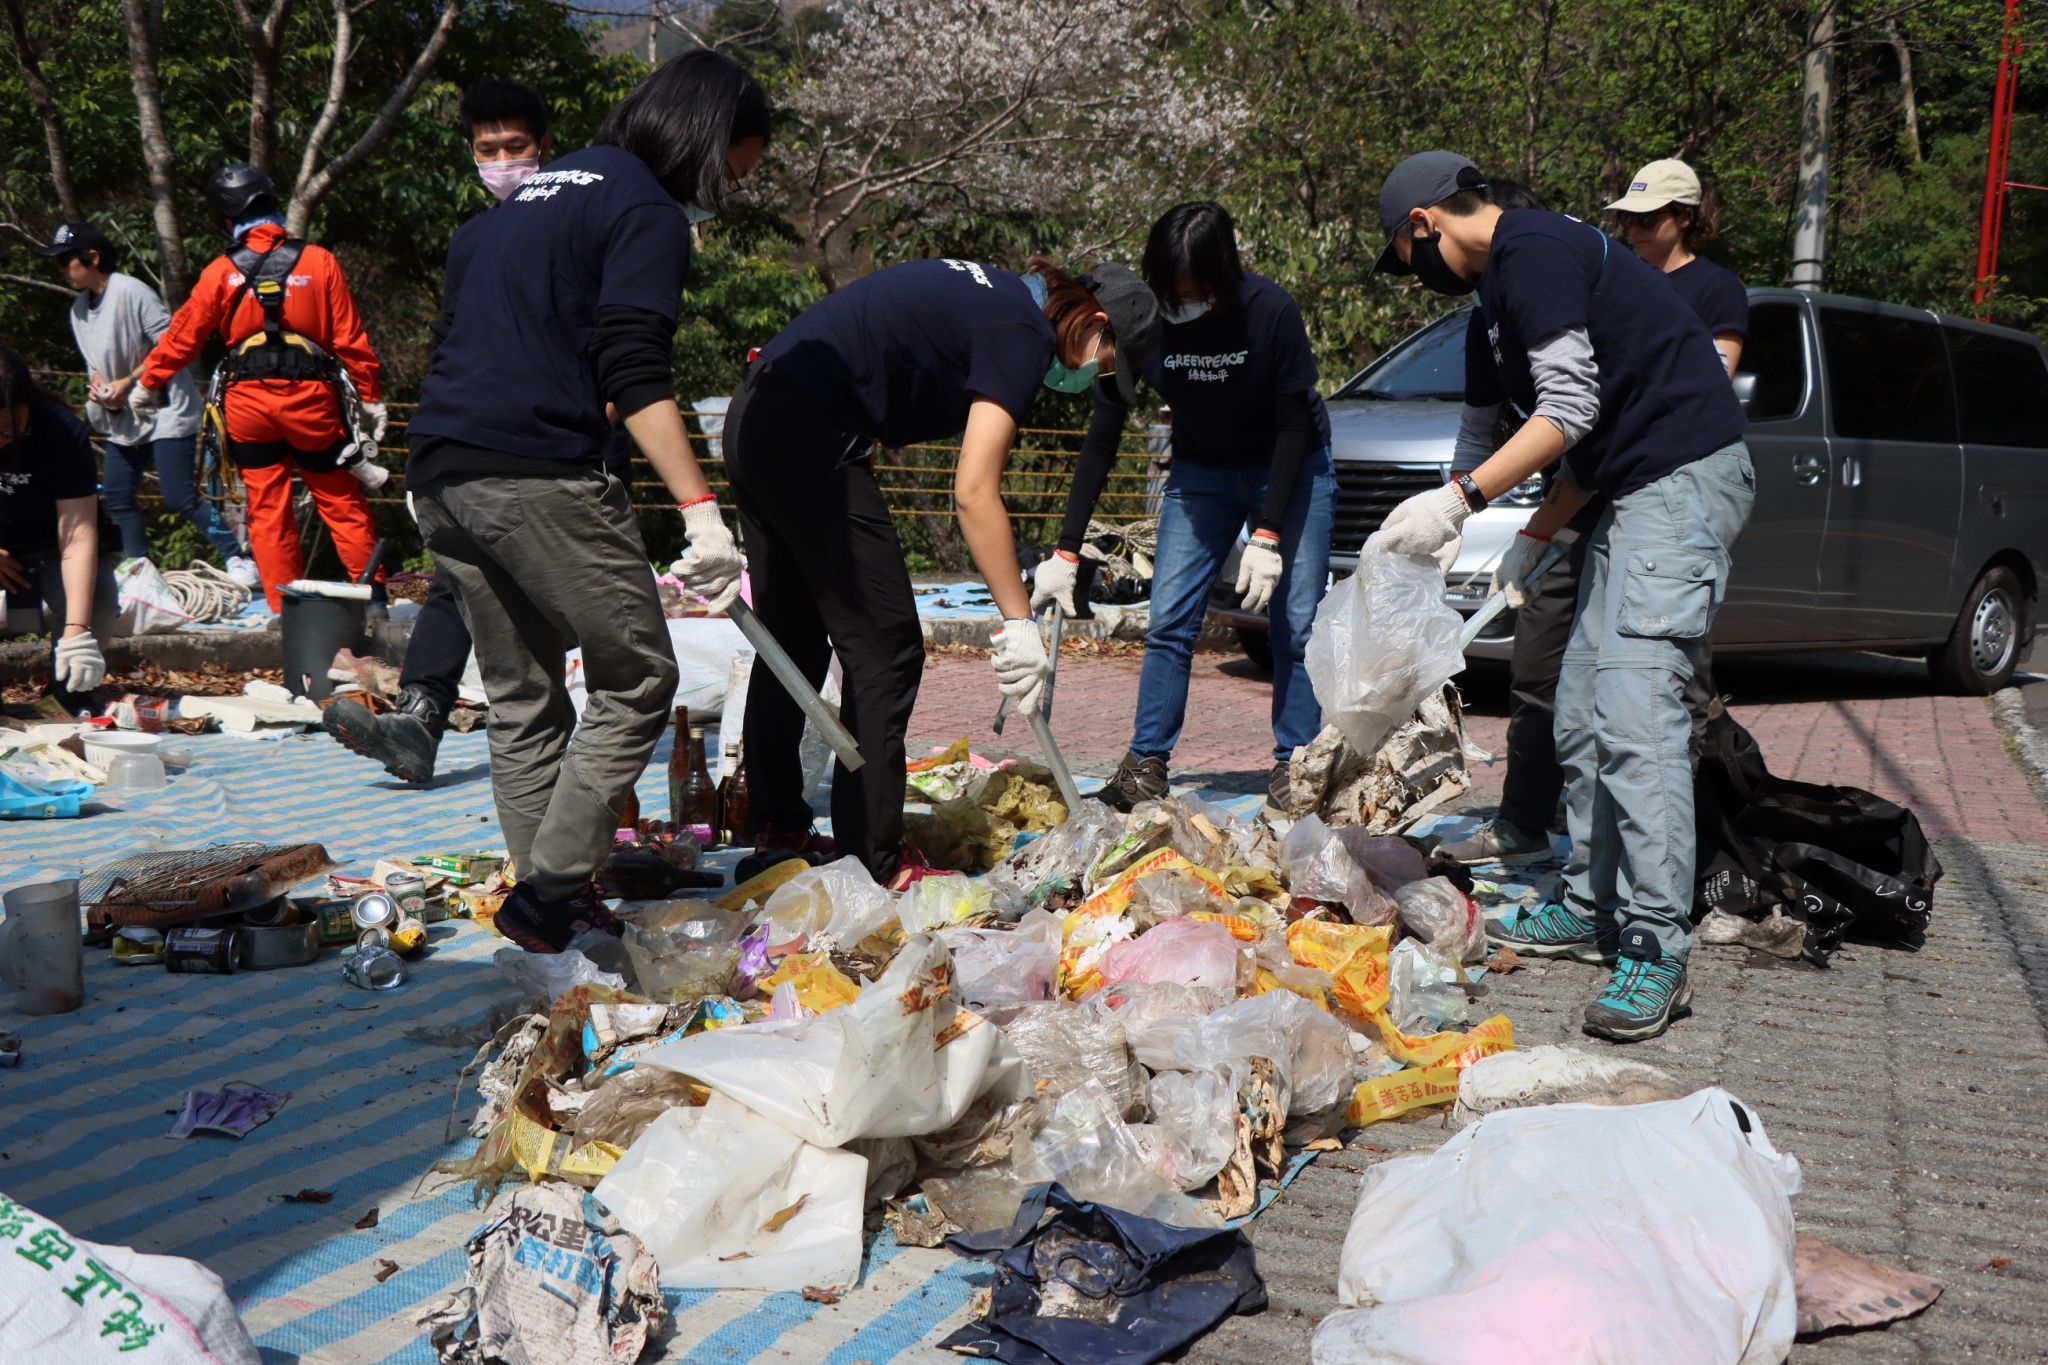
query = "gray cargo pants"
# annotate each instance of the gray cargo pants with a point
(541, 566)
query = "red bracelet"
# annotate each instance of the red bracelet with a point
(686, 506)
(1533, 536)
(1273, 536)
(1071, 559)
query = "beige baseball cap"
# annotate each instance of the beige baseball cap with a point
(1658, 184)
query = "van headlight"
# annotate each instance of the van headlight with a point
(1527, 493)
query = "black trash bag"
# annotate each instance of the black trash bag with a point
(1093, 1285)
(1838, 859)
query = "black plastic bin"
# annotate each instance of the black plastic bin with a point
(315, 629)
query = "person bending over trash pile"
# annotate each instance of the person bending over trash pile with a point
(1623, 381)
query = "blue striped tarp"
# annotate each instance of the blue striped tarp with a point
(82, 1122)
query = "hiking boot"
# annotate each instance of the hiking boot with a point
(1551, 931)
(405, 740)
(1647, 992)
(1498, 841)
(1279, 790)
(1136, 779)
(543, 926)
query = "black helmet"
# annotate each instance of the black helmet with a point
(238, 190)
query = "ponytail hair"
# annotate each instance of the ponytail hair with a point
(1069, 307)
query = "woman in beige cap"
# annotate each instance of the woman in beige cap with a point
(1666, 215)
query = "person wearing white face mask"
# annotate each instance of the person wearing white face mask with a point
(1251, 447)
(505, 124)
(559, 303)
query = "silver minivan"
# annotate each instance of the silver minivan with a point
(1902, 483)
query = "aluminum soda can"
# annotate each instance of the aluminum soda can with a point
(409, 889)
(201, 951)
(374, 910)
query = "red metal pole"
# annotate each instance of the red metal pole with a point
(1992, 218)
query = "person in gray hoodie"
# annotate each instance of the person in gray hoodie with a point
(116, 319)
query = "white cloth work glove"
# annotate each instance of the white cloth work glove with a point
(711, 566)
(143, 401)
(1020, 663)
(1053, 581)
(1511, 579)
(1258, 570)
(376, 421)
(79, 664)
(356, 460)
(1426, 522)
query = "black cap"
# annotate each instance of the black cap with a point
(1133, 317)
(71, 238)
(1422, 181)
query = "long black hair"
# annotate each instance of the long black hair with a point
(681, 120)
(1195, 240)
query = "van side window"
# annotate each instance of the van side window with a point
(1776, 354)
(1887, 377)
(2001, 387)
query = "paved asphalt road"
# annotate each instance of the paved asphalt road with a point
(1911, 1085)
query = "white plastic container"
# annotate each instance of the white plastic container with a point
(135, 772)
(102, 747)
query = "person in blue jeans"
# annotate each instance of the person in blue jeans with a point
(1622, 380)
(116, 319)
(1251, 449)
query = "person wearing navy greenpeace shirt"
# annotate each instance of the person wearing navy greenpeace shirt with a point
(1622, 380)
(1666, 214)
(559, 302)
(1251, 447)
(912, 353)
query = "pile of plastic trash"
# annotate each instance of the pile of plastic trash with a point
(1154, 1010)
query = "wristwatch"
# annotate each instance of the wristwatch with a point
(1474, 499)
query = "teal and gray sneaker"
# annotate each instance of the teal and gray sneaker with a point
(1551, 930)
(1647, 992)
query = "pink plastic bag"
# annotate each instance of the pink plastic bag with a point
(1189, 952)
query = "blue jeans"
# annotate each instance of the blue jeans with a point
(1204, 511)
(1656, 571)
(173, 458)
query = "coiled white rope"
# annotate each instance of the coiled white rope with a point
(205, 593)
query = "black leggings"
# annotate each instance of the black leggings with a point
(827, 574)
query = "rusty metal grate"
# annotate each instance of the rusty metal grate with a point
(170, 888)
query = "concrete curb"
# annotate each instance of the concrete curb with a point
(2009, 710)
(1110, 623)
(238, 651)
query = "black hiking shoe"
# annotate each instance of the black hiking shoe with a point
(1647, 992)
(1136, 779)
(542, 926)
(405, 740)
(1279, 790)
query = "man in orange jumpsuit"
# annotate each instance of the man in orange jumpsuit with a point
(274, 423)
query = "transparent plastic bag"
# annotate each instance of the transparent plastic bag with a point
(543, 976)
(1155, 1014)
(1161, 896)
(683, 950)
(624, 1105)
(1195, 1115)
(1438, 913)
(1065, 1046)
(1188, 952)
(1383, 640)
(841, 899)
(941, 903)
(997, 971)
(1310, 1050)
(1424, 994)
(1320, 866)
(1088, 1149)
(1392, 860)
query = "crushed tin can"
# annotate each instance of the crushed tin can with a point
(200, 951)
(373, 968)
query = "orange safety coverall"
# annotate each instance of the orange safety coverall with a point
(304, 415)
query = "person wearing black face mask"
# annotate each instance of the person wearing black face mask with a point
(1622, 380)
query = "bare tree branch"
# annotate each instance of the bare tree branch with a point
(39, 284)
(312, 187)
(261, 37)
(156, 149)
(30, 64)
(330, 110)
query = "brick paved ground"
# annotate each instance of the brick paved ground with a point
(1912, 1086)
(1858, 720)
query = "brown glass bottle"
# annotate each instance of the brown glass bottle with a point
(732, 797)
(629, 812)
(695, 804)
(679, 767)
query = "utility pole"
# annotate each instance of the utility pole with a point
(1992, 218)
(1809, 231)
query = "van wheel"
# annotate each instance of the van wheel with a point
(1984, 648)
(1256, 646)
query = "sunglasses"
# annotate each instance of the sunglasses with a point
(1646, 220)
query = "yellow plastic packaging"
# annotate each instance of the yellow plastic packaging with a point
(820, 986)
(1355, 956)
(758, 888)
